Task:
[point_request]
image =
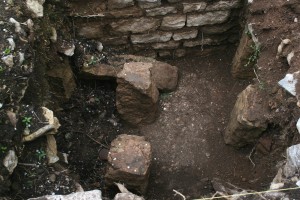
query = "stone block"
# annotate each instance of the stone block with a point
(113, 4)
(164, 75)
(166, 45)
(93, 194)
(136, 94)
(192, 7)
(248, 118)
(223, 5)
(129, 162)
(161, 11)
(151, 37)
(185, 34)
(173, 22)
(90, 30)
(208, 18)
(241, 68)
(149, 3)
(137, 25)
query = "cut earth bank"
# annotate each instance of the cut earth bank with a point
(43, 65)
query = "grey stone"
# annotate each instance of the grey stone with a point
(151, 37)
(292, 165)
(166, 45)
(112, 4)
(207, 18)
(129, 162)
(185, 34)
(88, 195)
(191, 7)
(173, 22)
(138, 25)
(161, 11)
(248, 118)
(165, 76)
(10, 161)
(223, 5)
(149, 3)
(91, 30)
(136, 94)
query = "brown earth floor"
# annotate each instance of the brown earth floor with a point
(187, 141)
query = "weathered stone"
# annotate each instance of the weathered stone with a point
(207, 18)
(174, 1)
(66, 47)
(292, 165)
(91, 30)
(180, 53)
(137, 95)
(185, 34)
(93, 194)
(193, 43)
(161, 11)
(129, 162)
(248, 118)
(165, 76)
(100, 71)
(241, 67)
(138, 25)
(223, 5)
(36, 7)
(64, 73)
(151, 37)
(217, 29)
(164, 53)
(112, 4)
(173, 22)
(149, 3)
(191, 7)
(51, 149)
(10, 161)
(166, 45)
(126, 12)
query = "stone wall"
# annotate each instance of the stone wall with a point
(158, 27)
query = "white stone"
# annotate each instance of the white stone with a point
(36, 7)
(207, 18)
(8, 60)
(10, 161)
(161, 11)
(289, 83)
(88, 195)
(292, 165)
(190, 7)
(298, 125)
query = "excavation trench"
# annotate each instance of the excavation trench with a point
(188, 149)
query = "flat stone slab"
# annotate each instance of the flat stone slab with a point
(129, 162)
(88, 195)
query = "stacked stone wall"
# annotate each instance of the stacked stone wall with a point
(159, 27)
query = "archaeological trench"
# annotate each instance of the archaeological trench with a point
(149, 99)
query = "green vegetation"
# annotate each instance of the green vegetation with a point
(40, 154)
(27, 121)
(6, 51)
(3, 149)
(254, 56)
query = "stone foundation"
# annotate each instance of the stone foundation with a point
(157, 27)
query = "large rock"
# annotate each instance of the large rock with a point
(100, 71)
(137, 95)
(88, 195)
(129, 162)
(150, 38)
(208, 18)
(138, 25)
(248, 118)
(165, 76)
(241, 65)
(173, 22)
(292, 165)
(161, 11)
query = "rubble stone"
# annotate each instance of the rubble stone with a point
(216, 17)
(173, 22)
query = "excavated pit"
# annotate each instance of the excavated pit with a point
(186, 138)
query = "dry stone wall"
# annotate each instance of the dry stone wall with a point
(159, 27)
